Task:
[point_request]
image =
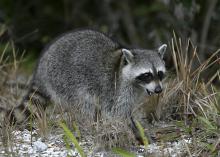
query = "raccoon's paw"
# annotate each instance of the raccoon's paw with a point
(11, 117)
(4, 117)
(137, 134)
(7, 117)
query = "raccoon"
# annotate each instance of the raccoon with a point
(81, 67)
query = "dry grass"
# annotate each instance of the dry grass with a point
(191, 102)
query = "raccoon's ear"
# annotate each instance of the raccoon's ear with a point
(162, 50)
(128, 56)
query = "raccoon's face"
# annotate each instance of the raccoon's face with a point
(145, 69)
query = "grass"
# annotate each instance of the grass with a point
(123, 152)
(196, 101)
(190, 104)
(69, 135)
(142, 134)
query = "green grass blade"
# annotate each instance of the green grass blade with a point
(72, 138)
(123, 153)
(75, 127)
(207, 123)
(67, 144)
(141, 131)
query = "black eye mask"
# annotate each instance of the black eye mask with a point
(146, 77)
(161, 75)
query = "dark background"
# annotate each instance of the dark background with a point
(31, 24)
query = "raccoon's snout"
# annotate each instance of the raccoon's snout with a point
(153, 88)
(149, 92)
(158, 89)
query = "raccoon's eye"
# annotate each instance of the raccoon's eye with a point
(161, 75)
(146, 77)
(125, 62)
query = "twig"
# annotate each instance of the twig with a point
(206, 25)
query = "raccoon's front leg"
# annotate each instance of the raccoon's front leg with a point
(32, 104)
(124, 112)
(126, 116)
(124, 104)
(136, 132)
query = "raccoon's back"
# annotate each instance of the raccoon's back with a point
(76, 60)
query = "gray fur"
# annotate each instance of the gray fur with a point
(162, 50)
(85, 68)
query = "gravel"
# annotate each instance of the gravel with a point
(39, 146)
(27, 144)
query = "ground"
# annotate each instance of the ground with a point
(49, 140)
(27, 143)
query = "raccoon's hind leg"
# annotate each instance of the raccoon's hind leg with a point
(31, 105)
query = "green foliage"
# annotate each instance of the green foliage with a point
(67, 144)
(29, 63)
(72, 138)
(210, 127)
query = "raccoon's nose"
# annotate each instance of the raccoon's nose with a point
(158, 89)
